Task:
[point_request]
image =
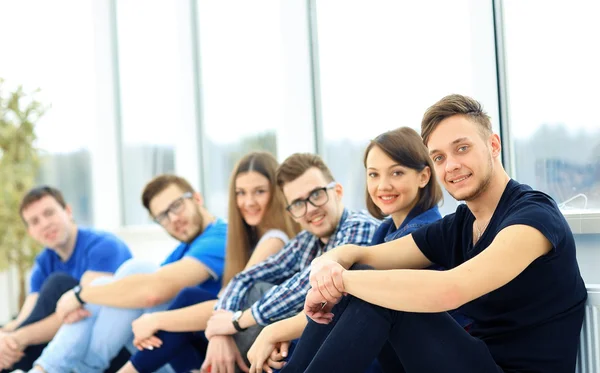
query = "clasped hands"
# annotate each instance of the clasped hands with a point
(327, 289)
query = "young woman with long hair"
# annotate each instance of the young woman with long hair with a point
(258, 228)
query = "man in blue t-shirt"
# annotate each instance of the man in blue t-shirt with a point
(112, 304)
(511, 265)
(72, 255)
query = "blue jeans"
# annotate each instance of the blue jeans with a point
(89, 345)
(184, 351)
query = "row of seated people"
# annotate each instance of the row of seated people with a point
(295, 281)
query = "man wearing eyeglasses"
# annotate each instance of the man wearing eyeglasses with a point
(315, 202)
(137, 288)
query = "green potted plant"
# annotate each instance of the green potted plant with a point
(19, 164)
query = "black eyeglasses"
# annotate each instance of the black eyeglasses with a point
(176, 207)
(317, 197)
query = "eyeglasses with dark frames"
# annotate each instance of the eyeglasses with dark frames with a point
(176, 207)
(317, 197)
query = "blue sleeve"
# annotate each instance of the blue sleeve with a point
(210, 251)
(106, 255)
(38, 275)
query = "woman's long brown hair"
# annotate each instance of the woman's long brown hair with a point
(241, 238)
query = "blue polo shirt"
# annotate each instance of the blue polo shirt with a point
(209, 249)
(94, 251)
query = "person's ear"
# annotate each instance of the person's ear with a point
(424, 176)
(339, 191)
(197, 197)
(495, 145)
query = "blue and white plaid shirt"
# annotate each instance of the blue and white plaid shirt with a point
(289, 269)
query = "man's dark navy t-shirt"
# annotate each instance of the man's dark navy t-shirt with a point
(531, 324)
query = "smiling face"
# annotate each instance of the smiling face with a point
(393, 187)
(253, 193)
(49, 223)
(323, 220)
(463, 159)
(183, 223)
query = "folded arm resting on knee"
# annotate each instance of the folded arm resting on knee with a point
(434, 291)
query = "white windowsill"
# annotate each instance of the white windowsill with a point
(583, 221)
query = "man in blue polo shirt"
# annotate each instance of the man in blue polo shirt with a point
(113, 303)
(72, 255)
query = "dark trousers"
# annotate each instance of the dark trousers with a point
(53, 288)
(404, 342)
(184, 351)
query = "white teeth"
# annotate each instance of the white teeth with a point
(459, 180)
(316, 220)
(387, 198)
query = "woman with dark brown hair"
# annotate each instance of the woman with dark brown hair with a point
(402, 190)
(258, 227)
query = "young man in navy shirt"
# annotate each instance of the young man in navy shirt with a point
(512, 269)
(72, 255)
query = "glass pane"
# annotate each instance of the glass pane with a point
(149, 59)
(60, 62)
(553, 80)
(382, 63)
(241, 56)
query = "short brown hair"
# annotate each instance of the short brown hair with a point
(38, 193)
(404, 146)
(455, 105)
(297, 164)
(160, 183)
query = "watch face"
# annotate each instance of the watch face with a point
(237, 315)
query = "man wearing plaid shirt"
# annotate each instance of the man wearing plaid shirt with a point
(248, 303)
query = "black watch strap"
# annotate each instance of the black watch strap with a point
(77, 291)
(236, 323)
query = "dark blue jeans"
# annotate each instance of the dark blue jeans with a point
(183, 351)
(403, 341)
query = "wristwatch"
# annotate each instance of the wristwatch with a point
(77, 291)
(235, 320)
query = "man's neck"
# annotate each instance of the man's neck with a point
(65, 251)
(207, 219)
(484, 205)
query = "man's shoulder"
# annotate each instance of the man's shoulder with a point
(522, 196)
(91, 237)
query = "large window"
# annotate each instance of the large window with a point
(382, 63)
(149, 63)
(241, 89)
(51, 49)
(553, 79)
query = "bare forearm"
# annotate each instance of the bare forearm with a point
(287, 329)
(404, 290)
(40, 332)
(135, 291)
(188, 319)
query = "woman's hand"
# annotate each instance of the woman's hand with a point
(144, 328)
(267, 353)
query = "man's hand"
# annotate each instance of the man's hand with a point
(266, 353)
(222, 355)
(326, 277)
(11, 351)
(66, 304)
(318, 308)
(144, 328)
(220, 324)
(77, 315)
